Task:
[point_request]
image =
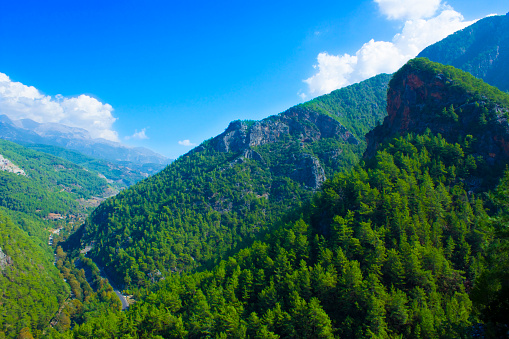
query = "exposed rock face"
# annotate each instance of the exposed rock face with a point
(308, 170)
(297, 123)
(306, 125)
(5, 260)
(250, 154)
(416, 100)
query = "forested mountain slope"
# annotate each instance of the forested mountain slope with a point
(31, 289)
(398, 246)
(47, 184)
(429, 96)
(40, 193)
(119, 175)
(227, 191)
(481, 49)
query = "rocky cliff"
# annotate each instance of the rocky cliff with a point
(297, 124)
(301, 123)
(424, 95)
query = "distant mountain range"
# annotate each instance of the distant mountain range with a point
(26, 131)
(481, 49)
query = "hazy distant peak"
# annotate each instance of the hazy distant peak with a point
(75, 138)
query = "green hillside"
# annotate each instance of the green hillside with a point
(358, 107)
(425, 95)
(118, 174)
(223, 195)
(40, 192)
(395, 247)
(31, 289)
(51, 184)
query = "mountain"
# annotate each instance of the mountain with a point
(398, 246)
(481, 49)
(224, 193)
(118, 174)
(37, 187)
(442, 99)
(26, 132)
(35, 182)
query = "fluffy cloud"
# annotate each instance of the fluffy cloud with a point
(19, 101)
(408, 9)
(375, 57)
(187, 143)
(138, 135)
(334, 72)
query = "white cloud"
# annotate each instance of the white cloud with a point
(333, 72)
(141, 135)
(19, 101)
(187, 143)
(408, 9)
(375, 57)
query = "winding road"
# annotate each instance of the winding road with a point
(123, 300)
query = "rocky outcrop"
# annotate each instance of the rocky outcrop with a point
(308, 170)
(421, 97)
(5, 260)
(297, 124)
(306, 125)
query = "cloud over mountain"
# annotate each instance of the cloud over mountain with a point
(375, 57)
(19, 101)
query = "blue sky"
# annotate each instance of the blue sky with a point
(169, 74)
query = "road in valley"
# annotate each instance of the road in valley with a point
(123, 300)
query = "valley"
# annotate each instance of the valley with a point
(379, 210)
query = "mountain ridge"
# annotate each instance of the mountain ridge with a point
(222, 194)
(481, 49)
(29, 131)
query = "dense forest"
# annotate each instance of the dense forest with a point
(230, 190)
(401, 245)
(390, 248)
(31, 289)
